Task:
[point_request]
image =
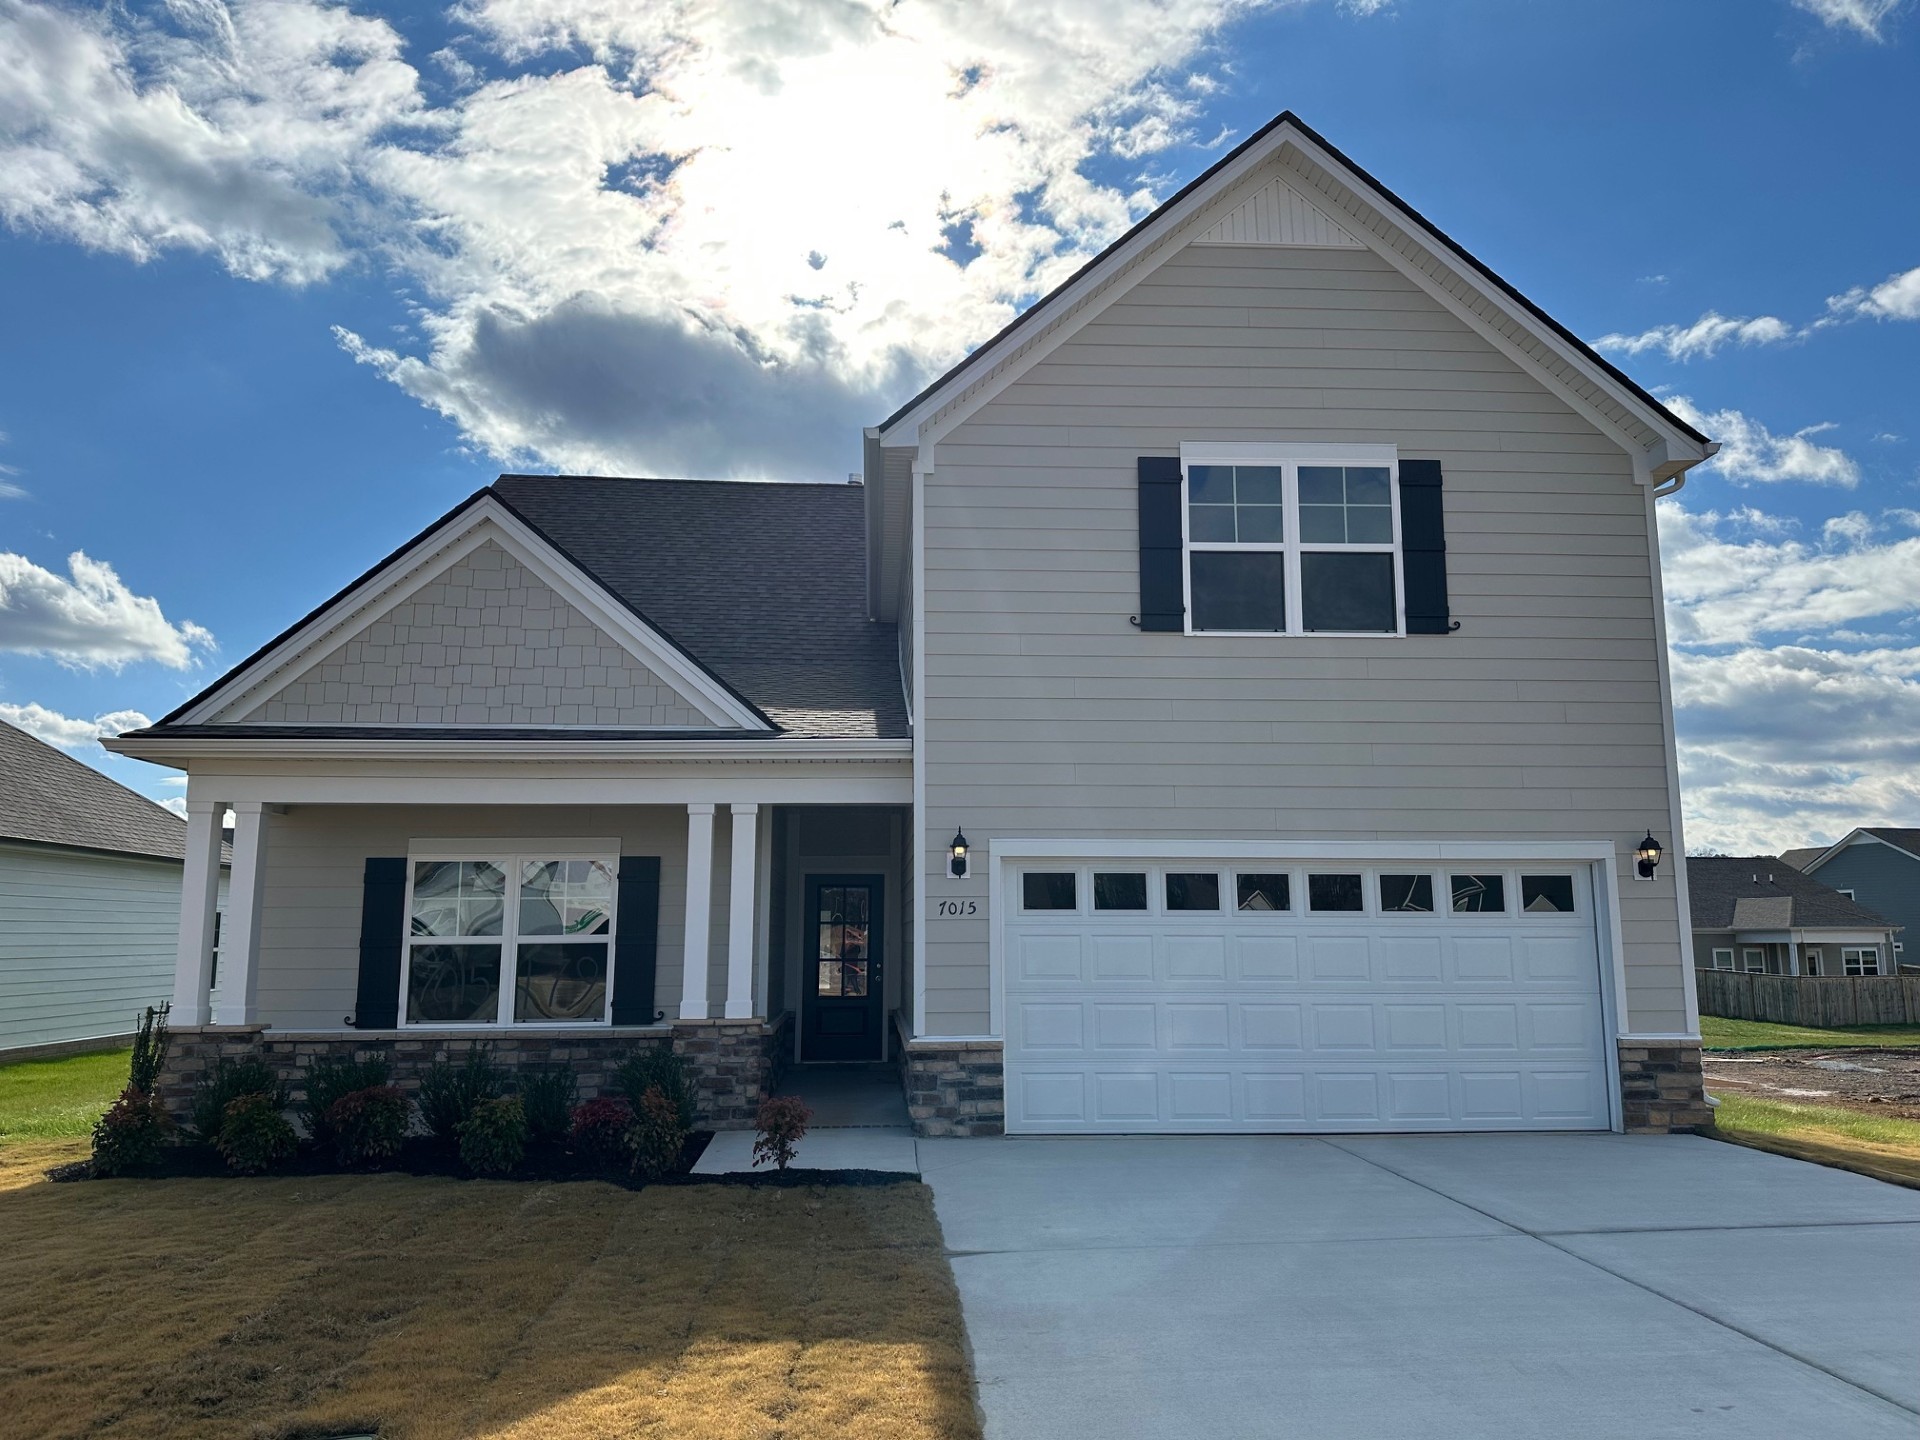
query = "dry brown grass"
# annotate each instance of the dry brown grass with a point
(439, 1309)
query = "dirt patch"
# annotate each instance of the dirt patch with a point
(1874, 1082)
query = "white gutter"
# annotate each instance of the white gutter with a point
(168, 750)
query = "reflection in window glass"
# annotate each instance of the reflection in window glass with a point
(1264, 892)
(560, 982)
(1120, 890)
(1048, 890)
(1406, 894)
(1200, 891)
(458, 897)
(1546, 894)
(1346, 505)
(1334, 892)
(1239, 589)
(1475, 894)
(1347, 590)
(453, 985)
(566, 897)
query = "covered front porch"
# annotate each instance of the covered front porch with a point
(750, 921)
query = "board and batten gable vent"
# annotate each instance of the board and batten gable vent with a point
(1423, 548)
(383, 904)
(1163, 603)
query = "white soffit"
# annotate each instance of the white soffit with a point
(1278, 214)
(432, 556)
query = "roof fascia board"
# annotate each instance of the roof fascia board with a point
(416, 565)
(177, 750)
(1673, 453)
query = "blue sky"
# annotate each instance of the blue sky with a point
(284, 281)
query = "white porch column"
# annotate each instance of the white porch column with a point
(693, 980)
(199, 899)
(1793, 957)
(740, 932)
(240, 941)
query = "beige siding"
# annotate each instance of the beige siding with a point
(310, 928)
(1049, 715)
(86, 941)
(487, 643)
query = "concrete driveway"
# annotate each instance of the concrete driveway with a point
(1429, 1286)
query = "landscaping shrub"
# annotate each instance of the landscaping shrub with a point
(493, 1137)
(131, 1135)
(149, 1049)
(226, 1082)
(782, 1121)
(600, 1131)
(549, 1093)
(656, 1135)
(450, 1091)
(330, 1080)
(255, 1136)
(367, 1124)
(659, 1069)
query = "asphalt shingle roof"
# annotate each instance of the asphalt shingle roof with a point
(763, 583)
(52, 799)
(1908, 840)
(1721, 885)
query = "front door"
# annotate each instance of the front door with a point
(841, 990)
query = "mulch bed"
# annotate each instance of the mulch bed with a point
(1883, 1082)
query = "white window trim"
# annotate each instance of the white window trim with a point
(508, 854)
(1749, 955)
(1289, 459)
(1861, 956)
(1727, 951)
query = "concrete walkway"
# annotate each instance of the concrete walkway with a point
(1485, 1288)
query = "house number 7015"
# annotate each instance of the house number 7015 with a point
(959, 907)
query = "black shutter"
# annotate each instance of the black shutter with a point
(383, 901)
(1423, 543)
(636, 939)
(1162, 592)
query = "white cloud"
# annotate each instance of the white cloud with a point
(1788, 733)
(1895, 298)
(9, 490)
(177, 804)
(66, 731)
(227, 128)
(1750, 451)
(1702, 338)
(1863, 17)
(89, 617)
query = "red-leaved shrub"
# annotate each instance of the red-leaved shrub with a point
(782, 1121)
(131, 1134)
(368, 1124)
(599, 1131)
(656, 1137)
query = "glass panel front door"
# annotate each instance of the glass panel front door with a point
(840, 1006)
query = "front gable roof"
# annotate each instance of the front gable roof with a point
(1904, 839)
(399, 648)
(1287, 185)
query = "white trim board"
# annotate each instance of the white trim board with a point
(418, 566)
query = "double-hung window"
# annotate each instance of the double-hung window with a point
(1862, 960)
(1297, 540)
(515, 937)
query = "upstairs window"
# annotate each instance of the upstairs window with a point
(1302, 541)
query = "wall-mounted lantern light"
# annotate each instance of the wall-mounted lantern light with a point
(957, 856)
(1648, 854)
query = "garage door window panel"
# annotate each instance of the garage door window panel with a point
(1264, 893)
(1049, 890)
(1119, 890)
(1335, 894)
(1479, 894)
(1406, 894)
(1193, 890)
(1546, 895)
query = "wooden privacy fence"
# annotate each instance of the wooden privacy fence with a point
(1819, 1000)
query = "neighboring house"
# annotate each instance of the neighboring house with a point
(1880, 867)
(1274, 608)
(89, 901)
(1758, 914)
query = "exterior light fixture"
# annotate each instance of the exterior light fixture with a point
(957, 855)
(1648, 854)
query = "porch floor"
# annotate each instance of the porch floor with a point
(844, 1096)
(859, 1123)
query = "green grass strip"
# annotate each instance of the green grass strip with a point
(59, 1099)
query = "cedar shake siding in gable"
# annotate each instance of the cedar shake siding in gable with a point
(1049, 714)
(487, 643)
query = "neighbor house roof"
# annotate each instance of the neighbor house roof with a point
(52, 799)
(1800, 859)
(1763, 892)
(1902, 838)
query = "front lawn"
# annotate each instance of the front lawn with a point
(1886, 1145)
(58, 1099)
(440, 1309)
(1721, 1034)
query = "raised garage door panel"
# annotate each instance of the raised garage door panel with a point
(1300, 1021)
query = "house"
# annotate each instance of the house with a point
(89, 902)
(1879, 866)
(1234, 699)
(1759, 915)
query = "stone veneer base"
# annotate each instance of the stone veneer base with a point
(734, 1063)
(954, 1087)
(1661, 1088)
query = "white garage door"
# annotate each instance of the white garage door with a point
(1184, 996)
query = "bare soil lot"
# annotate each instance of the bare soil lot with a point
(1879, 1082)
